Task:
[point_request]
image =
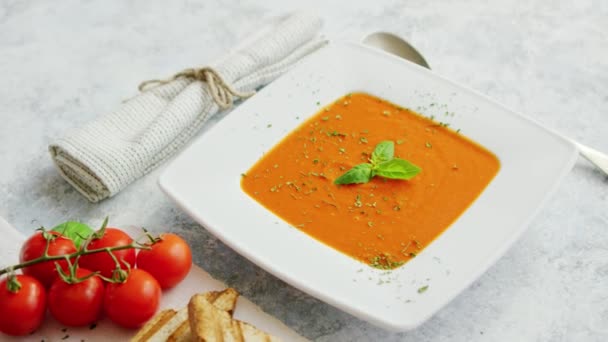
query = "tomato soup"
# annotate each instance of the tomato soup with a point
(383, 222)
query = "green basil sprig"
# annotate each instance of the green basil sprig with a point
(382, 163)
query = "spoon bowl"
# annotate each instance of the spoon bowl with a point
(396, 45)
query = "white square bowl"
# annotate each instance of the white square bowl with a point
(205, 181)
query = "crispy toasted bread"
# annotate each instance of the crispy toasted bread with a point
(253, 334)
(208, 323)
(222, 300)
(182, 333)
(162, 334)
(154, 325)
(169, 325)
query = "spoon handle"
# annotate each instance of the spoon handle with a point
(596, 157)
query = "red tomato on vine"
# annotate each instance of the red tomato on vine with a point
(34, 247)
(168, 260)
(78, 304)
(22, 310)
(103, 262)
(132, 303)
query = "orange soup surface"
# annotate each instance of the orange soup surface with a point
(384, 222)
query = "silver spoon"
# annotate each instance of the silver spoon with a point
(397, 46)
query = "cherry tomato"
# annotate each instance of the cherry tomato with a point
(103, 262)
(132, 303)
(168, 260)
(34, 248)
(22, 312)
(77, 304)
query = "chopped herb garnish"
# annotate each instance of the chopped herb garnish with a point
(423, 289)
(342, 150)
(363, 140)
(428, 145)
(325, 118)
(269, 125)
(384, 262)
(358, 203)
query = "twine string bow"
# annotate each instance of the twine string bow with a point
(223, 93)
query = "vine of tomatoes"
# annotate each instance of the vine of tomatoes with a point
(78, 274)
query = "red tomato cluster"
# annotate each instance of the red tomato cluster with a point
(83, 301)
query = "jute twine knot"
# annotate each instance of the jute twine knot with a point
(223, 94)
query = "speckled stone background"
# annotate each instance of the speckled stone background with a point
(64, 62)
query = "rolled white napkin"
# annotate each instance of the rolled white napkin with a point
(109, 153)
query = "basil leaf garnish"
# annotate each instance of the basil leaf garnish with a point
(397, 169)
(383, 164)
(361, 173)
(384, 151)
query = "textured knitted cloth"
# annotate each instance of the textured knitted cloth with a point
(107, 154)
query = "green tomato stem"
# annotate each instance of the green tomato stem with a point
(13, 285)
(46, 258)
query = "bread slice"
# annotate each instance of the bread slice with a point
(154, 325)
(208, 323)
(182, 333)
(173, 326)
(253, 334)
(222, 300)
(162, 334)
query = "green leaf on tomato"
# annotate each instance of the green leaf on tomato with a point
(76, 231)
